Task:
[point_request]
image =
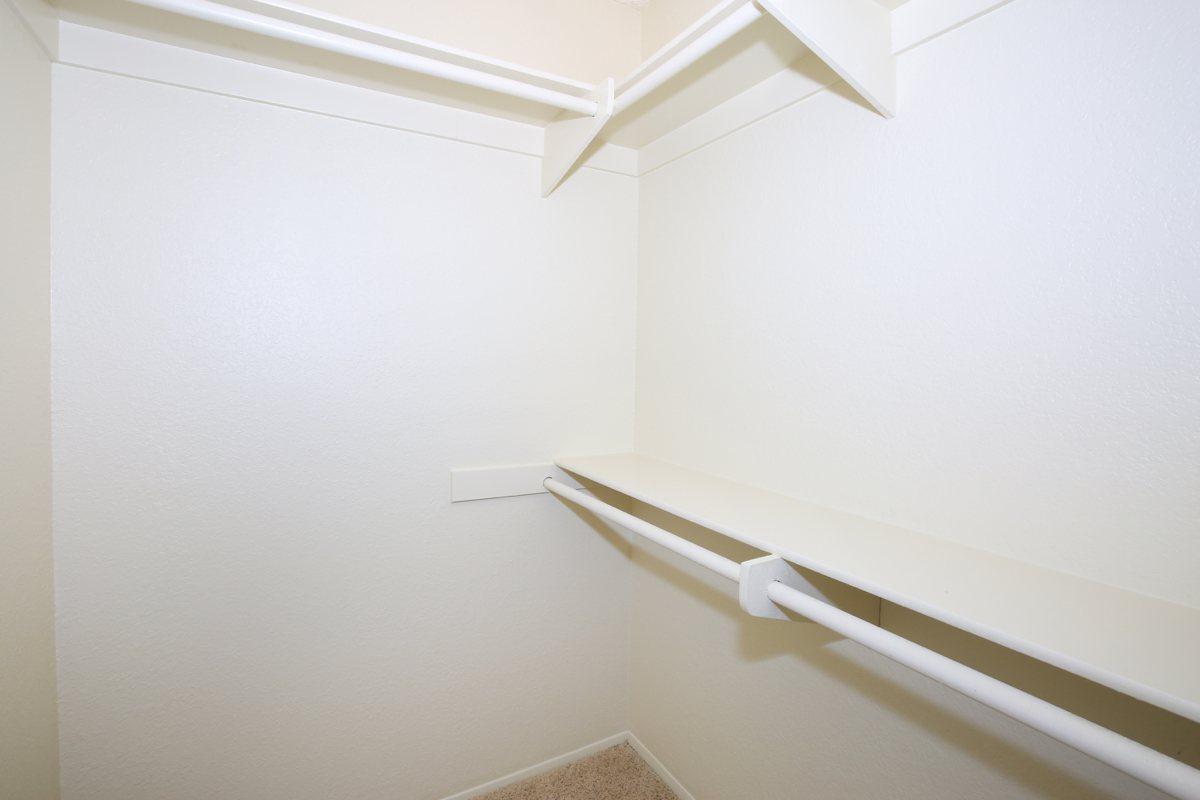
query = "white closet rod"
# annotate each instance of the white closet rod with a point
(1147, 765)
(232, 17)
(720, 33)
(344, 45)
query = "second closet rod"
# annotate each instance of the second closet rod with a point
(1147, 765)
(231, 17)
(241, 19)
(704, 44)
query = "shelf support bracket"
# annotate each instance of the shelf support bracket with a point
(854, 37)
(569, 135)
(758, 573)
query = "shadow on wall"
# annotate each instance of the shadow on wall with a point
(813, 646)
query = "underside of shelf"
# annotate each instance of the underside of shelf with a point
(764, 49)
(1139, 645)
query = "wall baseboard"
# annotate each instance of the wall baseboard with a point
(659, 768)
(545, 766)
(583, 752)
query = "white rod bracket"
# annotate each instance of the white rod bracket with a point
(486, 483)
(756, 577)
(568, 136)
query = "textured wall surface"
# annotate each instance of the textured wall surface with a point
(28, 738)
(275, 332)
(977, 320)
(979, 324)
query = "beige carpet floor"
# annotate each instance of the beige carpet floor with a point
(617, 773)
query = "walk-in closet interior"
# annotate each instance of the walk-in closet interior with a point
(599, 400)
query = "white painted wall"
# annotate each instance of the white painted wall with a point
(981, 324)
(28, 734)
(275, 332)
(977, 320)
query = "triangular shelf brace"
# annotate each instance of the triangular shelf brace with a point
(854, 37)
(568, 136)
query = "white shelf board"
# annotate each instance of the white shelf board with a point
(1142, 646)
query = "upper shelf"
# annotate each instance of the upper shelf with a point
(736, 45)
(1139, 645)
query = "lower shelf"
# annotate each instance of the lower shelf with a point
(1139, 645)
